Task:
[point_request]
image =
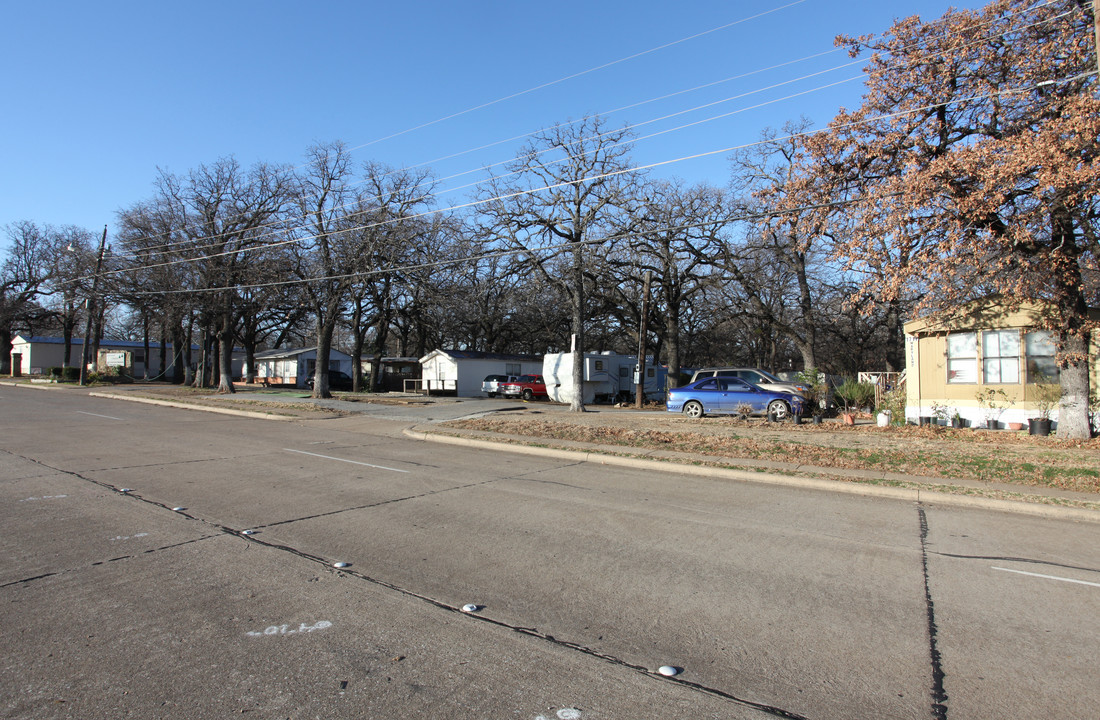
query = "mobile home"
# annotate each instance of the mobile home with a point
(607, 377)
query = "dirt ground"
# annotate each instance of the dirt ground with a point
(982, 455)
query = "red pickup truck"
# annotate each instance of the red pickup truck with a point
(527, 387)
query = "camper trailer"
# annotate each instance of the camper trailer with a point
(608, 377)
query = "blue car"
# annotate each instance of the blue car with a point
(728, 395)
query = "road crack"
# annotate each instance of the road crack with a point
(939, 694)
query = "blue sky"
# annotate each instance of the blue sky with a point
(99, 95)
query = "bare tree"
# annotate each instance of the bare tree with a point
(562, 197)
(31, 263)
(353, 238)
(675, 234)
(225, 215)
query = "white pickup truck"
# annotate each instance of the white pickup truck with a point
(491, 385)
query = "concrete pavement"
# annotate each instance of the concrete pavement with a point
(425, 414)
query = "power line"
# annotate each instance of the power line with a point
(570, 77)
(148, 251)
(772, 213)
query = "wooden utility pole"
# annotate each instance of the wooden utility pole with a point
(639, 378)
(89, 303)
(1084, 5)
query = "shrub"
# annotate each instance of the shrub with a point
(855, 395)
(816, 393)
(894, 403)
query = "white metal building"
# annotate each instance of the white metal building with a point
(462, 371)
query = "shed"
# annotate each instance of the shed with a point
(462, 371)
(951, 357)
(291, 366)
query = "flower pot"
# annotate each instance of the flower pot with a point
(796, 418)
(882, 419)
(817, 419)
(991, 424)
(849, 418)
(1038, 426)
(958, 423)
(1014, 426)
(927, 420)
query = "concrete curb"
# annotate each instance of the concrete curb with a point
(201, 408)
(1019, 507)
(30, 386)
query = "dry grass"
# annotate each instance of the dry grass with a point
(1001, 457)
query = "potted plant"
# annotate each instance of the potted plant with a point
(957, 421)
(816, 392)
(1047, 395)
(993, 401)
(941, 415)
(743, 409)
(855, 396)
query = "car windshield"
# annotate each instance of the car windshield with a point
(768, 376)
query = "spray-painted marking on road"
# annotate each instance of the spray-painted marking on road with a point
(284, 629)
(353, 462)
(109, 417)
(1048, 577)
(563, 714)
(128, 537)
(44, 497)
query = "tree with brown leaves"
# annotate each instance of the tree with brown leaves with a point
(970, 169)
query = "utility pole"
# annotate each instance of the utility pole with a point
(1096, 34)
(89, 303)
(639, 377)
(1095, 28)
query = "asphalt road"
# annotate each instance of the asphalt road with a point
(774, 602)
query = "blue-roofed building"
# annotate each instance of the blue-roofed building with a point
(39, 353)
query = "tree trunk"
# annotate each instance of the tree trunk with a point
(325, 329)
(225, 353)
(806, 349)
(1073, 409)
(67, 335)
(576, 403)
(5, 348)
(358, 339)
(672, 339)
(1073, 338)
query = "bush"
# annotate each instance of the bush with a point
(855, 395)
(64, 374)
(817, 392)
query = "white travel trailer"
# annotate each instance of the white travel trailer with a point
(607, 377)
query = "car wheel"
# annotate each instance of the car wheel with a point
(527, 394)
(492, 395)
(779, 409)
(693, 408)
